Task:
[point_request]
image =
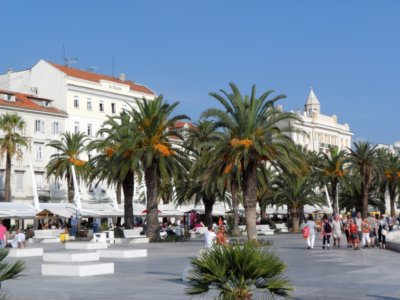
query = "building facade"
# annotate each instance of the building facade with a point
(315, 131)
(44, 123)
(86, 98)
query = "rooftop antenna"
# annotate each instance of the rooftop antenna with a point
(92, 68)
(69, 60)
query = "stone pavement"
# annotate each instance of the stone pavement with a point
(318, 274)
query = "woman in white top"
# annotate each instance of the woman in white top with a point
(336, 230)
(311, 236)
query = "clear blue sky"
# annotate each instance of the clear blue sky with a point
(347, 50)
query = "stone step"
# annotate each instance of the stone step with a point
(135, 240)
(25, 252)
(70, 256)
(122, 253)
(85, 246)
(45, 241)
(77, 270)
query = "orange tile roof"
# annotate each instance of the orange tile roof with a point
(97, 77)
(25, 101)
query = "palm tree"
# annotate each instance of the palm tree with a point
(68, 150)
(255, 137)
(236, 272)
(391, 178)
(11, 145)
(333, 171)
(295, 191)
(9, 270)
(115, 164)
(364, 160)
(159, 158)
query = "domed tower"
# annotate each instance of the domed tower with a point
(312, 106)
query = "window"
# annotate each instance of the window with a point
(38, 151)
(89, 104)
(113, 110)
(39, 126)
(76, 101)
(101, 105)
(20, 181)
(39, 180)
(89, 129)
(56, 128)
(76, 127)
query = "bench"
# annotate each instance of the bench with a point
(264, 229)
(122, 253)
(47, 233)
(25, 252)
(70, 256)
(76, 270)
(281, 227)
(134, 235)
(85, 246)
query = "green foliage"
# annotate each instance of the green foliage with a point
(9, 270)
(237, 271)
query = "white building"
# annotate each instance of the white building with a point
(86, 97)
(44, 123)
(321, 131)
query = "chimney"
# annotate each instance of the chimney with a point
(121, 77)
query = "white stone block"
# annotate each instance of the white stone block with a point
(45, 241)
(25, 252)
(139, 240)
(85, 246)
(121, 253)
(77, 270)
(71, 256)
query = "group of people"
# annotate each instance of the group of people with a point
(358, 231)
(15, 239)
(211, 237)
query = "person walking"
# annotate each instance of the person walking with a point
(326, 232)
(354, 234)
(3, 235)
(382, 232)
(358, 222)
(209, 238)
(372, 229)
(346, 226)
(336, 230)
(365, 233)
(312, 226)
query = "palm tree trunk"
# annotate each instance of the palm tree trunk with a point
(334, 190)
(250, 199)
(295, 219)
(393, 193)
(7, 183)
(70, 188)
(208, 208)
(364, 193)
(119, 192)
(235, 207)
(128, 187)
(153, 227)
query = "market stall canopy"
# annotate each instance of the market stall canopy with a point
(100, 210)
(17, 210)
(64, 210)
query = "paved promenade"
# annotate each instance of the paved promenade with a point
(318, 274)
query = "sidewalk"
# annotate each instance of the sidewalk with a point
(318, 274)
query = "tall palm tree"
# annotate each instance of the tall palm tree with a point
(68, 150)
(160, 159)
(116, 164)
(255, 137)
(364, 161)
(236, 272)
(333, 170)
(11, 145)
(391, 178)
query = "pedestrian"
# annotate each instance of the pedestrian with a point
(326, 232)
(311, 232)
(3, 235)
(346, 227)
(336, 230)
(354, 237)
(372, 229)
(365, 233)
(358, 222)
(209, 238)
(221, 236)
(74, 226)
(382, 232)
